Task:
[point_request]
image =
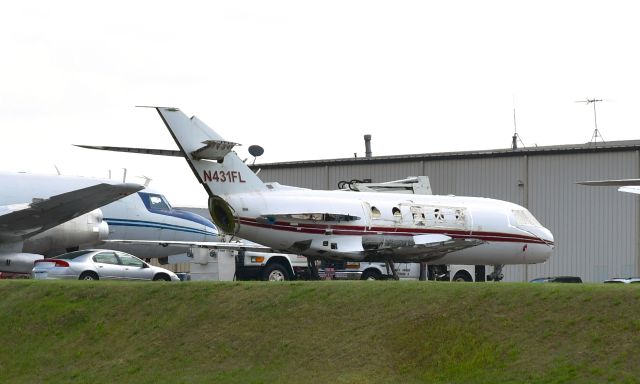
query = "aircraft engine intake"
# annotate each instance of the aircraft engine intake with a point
(222, 215)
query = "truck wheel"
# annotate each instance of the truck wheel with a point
(371, 274)
(275, 272)
(462, 276)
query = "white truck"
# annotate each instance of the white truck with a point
(406, 271)
(271, 266)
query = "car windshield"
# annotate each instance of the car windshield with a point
(540, 280)
(72, 255)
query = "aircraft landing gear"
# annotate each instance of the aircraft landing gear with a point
(391, 267)
(497, 274)
(313, 269)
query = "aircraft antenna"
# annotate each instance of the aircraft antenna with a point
(124, 175)
(146, 179)
(516, 137)
(255, 151)
(596, 132)
(57, 170)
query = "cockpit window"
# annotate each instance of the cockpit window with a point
(158, 202)
(155, 202)
(524, 217)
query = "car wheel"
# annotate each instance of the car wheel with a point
(275, 272)
(161, 277)
(462, 277)
(371, 274)
(88, 276)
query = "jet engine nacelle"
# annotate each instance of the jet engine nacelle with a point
(18, 262)
(222, 215)
(86, 230)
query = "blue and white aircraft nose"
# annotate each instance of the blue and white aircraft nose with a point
(199, 224)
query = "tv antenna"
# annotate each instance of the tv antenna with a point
(596, 132)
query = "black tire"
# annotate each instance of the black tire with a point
(462, 277)
(275, 272)
(371, 274)
(88, 275)
(161, 277)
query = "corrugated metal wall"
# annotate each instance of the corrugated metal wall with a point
(596, 228)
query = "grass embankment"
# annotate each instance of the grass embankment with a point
(343, 332)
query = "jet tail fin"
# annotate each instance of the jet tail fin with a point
(210, 157)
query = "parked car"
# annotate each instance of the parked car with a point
(98, 264)
(624, 280)
(557, 279)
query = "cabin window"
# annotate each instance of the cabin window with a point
(418, 216)
(375, 213)
(396, 212)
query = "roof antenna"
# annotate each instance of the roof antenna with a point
(516, 137)
(146, 179)
(596, 132)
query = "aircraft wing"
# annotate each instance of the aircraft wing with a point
(626, 185)
(28, 219)
(426, 248)
(630, 189)
(611, 183)
(229, 246)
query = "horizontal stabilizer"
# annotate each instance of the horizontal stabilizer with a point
(213, 150)
(146, 151)
(315, 217)
(26, 220)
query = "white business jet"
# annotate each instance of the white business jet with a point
(44, 215)
(367, 226)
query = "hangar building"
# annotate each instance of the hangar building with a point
(595, 228)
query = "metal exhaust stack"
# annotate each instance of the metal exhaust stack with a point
(367, 145)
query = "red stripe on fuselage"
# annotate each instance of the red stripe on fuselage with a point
(354, 230)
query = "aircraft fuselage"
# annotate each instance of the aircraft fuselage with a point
(509, 233)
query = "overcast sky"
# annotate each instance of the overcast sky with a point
(307, 79)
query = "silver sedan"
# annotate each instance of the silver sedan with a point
(97, 264)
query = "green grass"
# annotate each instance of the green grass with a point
(338, 332)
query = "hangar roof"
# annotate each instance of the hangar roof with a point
(611, 146)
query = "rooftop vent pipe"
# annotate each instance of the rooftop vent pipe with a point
(367, 145)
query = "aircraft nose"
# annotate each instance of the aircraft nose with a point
(547, 236)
